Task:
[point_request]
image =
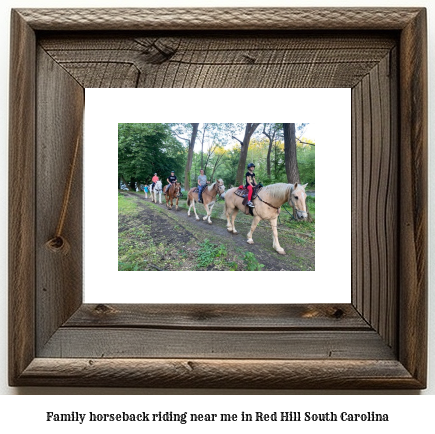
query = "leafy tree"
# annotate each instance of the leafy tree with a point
(144, 149)
(244, 146)
(190, 130)
(291, 164)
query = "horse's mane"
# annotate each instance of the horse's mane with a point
(279, 191)
(210, 187)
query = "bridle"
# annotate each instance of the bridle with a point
(293, 204)
(215, 187)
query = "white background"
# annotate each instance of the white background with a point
(105, 108)
(411, 413)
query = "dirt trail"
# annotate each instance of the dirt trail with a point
(181, 233)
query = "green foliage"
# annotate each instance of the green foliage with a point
(251, 262)
(144, 149)
(210, 253)
(306, 165)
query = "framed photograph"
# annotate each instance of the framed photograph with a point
(377, 341)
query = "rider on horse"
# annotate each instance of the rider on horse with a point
(172, 179)
(202, 183)
(155, 178)
(250, 183)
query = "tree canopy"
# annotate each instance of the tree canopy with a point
(145, 149)
(222, 150)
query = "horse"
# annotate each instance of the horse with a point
(157, 190)
(171, 192)
(208, 198)
(267, 207)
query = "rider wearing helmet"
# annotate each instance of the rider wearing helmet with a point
(250, 183)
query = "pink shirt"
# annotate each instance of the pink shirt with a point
(155, 178)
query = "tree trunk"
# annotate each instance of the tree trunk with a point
(244, 146)
(190, 157)
(291, 163)
(269, 151)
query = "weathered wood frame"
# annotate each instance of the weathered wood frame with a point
(377, 341)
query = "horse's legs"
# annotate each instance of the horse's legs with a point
(255, 222)
(276, 246)
(176, 204)
(209, 212)
(233, 219)
(190, 206)
(194, 209)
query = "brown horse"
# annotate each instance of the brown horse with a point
(208, 198)
(267, 207)
(172, 192)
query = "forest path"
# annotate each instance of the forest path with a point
(178, 239)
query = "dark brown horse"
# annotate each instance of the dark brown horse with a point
(172, 192)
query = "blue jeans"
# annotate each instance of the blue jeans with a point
(200, 188)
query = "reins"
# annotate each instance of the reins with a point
(267, 203)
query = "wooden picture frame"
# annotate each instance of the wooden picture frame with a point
(376, 342)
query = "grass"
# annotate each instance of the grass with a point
(210, 254)
(159, 241)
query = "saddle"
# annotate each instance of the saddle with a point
(243, 193)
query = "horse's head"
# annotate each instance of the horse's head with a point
(177, 191)
(220, 187)
(297, 200)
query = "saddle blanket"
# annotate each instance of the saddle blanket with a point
(242, 191)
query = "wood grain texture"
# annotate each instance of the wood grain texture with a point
(220, 18)
(236, 60)
(413, 197)
(229, 374)
(378, 342)
(21, 200)
(375, 198)
(59, 280)
(252, 317)
(95, 342)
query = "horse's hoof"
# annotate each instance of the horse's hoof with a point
(197, 218)
(281, 252)
(210, 223)
(229, 230)
(250, 241)
(235, 232)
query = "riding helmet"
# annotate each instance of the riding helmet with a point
(251, 165)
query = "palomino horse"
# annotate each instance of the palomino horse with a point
(157, 190)
(172, 192)
(267, 207)
(208, 198)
